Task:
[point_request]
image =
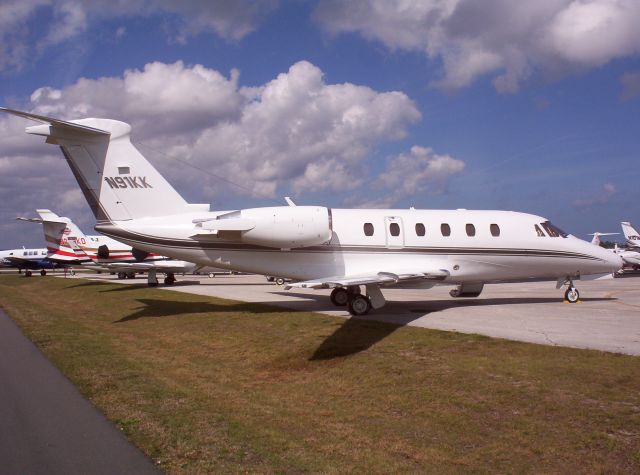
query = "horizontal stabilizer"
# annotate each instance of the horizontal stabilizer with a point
(61, 124)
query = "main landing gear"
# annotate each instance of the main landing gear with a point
(357, 304)
(170, 278)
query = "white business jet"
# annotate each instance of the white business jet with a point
(314, 246)
(630, 234)
(629, 257)
(101, 252)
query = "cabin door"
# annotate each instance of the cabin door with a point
(394, 231)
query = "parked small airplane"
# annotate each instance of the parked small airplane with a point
(630, 234)
(629, 256)
(27, 259)
(315, 246)
(101, 252)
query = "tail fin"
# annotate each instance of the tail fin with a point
(117, 181)
(596, 237)
(58, 231)
(630, 234)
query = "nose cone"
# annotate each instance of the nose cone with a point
(611, 262)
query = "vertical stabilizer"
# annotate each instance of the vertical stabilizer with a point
(117, 181)
(630, 234)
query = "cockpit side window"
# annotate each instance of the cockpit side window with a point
(539, 231)
(552, 228)
(553, 231)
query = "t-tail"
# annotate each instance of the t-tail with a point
(117, 181)
(57, 233)
(630, 234)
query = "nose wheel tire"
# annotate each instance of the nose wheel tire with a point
(339, 297)
(359, 305)
(572, 295)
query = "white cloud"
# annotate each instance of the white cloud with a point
(418, 172)
(228, 19)
(508, 39)
(294, 133)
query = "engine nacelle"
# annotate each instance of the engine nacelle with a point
(287, 227)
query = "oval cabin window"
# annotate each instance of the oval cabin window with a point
(471, 229)
(368, 229)
(495, 230)
(420, 230)
(445, 229)
(394, 229)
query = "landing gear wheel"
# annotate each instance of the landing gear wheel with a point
(27, 273)
(339, 297)
(211, 275)
(121, 275)
(359, 305)
(279, 281)
(43, 272)
(169, 280)
(131, 275)
(572, 295)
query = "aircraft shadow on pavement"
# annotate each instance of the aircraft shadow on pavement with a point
(153, 308)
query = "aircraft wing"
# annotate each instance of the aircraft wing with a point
(381, 278)
(147, 266)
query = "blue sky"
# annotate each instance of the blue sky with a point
(449, 104)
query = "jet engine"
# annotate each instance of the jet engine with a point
(103, 252)
(139, 255)
(282, 227)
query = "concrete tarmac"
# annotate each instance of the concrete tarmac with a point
(607, 318)
(47, 426)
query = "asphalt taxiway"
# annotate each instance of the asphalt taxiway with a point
(607, 318)
(47, 426)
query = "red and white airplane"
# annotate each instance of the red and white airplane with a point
(315, 246)
(67, 244)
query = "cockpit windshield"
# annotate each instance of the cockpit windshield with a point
(552, 230)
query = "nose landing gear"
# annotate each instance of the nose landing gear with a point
(571, 295)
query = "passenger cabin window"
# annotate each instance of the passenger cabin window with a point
(445, 229)
(420, 230)
(495, 230)
(394, 229)
(471, 229)
(539, 231)
(368, 229)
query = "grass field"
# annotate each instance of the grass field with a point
(209, 385)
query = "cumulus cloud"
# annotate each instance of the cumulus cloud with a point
(509, 40)
(295, 133)
(418, 172)
(228, 19)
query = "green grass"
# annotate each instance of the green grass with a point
(209, 385)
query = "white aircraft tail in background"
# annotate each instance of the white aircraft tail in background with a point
(596, 237)
(315, 246)
(630, 234)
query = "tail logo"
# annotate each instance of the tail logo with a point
(127, 182)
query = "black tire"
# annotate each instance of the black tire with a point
(279, 281)
(43, 272)
(572, 295)
(339, 297)
(121, 275)
(131, 275)
(27, 273)
(359, 305)
(169, 280)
